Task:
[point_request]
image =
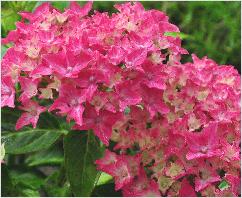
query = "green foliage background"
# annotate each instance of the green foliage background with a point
(41, 162)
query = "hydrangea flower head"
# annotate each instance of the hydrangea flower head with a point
(175, 126)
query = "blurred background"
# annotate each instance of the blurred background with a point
(210, 28)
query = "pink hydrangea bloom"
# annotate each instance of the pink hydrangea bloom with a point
(175, 127)
(31, 114)
(142, 187)
(100, 123)
(29, 88)
(153, 101)
(234, 182)
(186, 189)
(207, 175)
(70, 102)
(128, 94)
(108, 160)
(120, 167)
(153, 76)
(66, 64)
(7, 92)
(204, 144)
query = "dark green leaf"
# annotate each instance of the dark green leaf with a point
(30, 141)
(81, 149)
(106, 190)
(52, 156)
(27, 182)
(48, 121)
(7, 187)
(17, 183)
(27, 179)
(9, 119)
(55, 185)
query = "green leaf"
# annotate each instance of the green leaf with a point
(26, 192)
(81, 149)
(9, 14)
(48, 121)
(29, 5)
(61, 5)
(55, 185)
(17, 183)
(38, 3)
(52, 156)
(126, 110)
(26, 178)
(223, 185)
(7, 187)
(9, 119)
(104, 178)
(177, 34)
(30, 140)
(3, 50)
(9, 17)
(106, 190)
(2, 148)
(27, 182)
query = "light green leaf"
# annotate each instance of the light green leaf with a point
(104, 178)
(223, 185)
(3, 50)
(27, 192)
(30, 140)
(177, 34)
(2, 152)
(126, 110)
(81, 149)
(9, 18)
(37, 5)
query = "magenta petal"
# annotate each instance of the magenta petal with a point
(7, 92)
(76, 114)
(31, 116)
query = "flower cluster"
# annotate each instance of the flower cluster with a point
(175, 128)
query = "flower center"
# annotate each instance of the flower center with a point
(204, 149)
(69, 69)
(91, 78)
(74, 102)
